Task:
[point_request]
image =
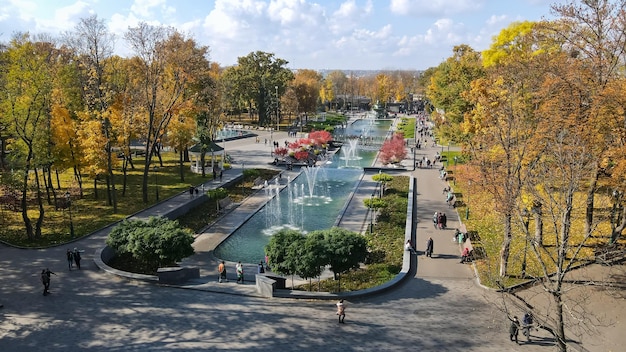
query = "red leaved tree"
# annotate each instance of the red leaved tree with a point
(280, 151)
(301, 155)
(393, 150)
(320, 138)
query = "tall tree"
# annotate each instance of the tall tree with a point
(25, 107)
(306, 85)
(255, 78)
(94, 45)
(447, 84)
(165, 65)
(594, 31)
(503, 124)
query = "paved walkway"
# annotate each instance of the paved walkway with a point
(439, 309)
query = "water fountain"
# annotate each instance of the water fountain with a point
(311, 201)
(349, 154)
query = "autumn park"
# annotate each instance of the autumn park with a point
(537, 125)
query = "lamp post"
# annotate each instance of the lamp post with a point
(372, 214)
(454, 178)
(467, 209)
(526, 219)
(156, 182)
(68, 198)
(277, 108)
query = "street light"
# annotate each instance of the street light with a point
(68, 198)
(277, 107)
(372, 214)
(454, 178)
(467, 209)
(156, 182)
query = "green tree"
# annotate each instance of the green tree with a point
(345, 250)
(282, 251)
(254, 80)
(448, 83)
(155, 242)
(313, 256)
(25, 111)
(384, 179)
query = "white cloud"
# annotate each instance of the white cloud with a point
(434, 7)
(143, 8)
(349, 17)
(497, 20)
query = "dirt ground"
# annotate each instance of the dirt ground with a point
(594, 306)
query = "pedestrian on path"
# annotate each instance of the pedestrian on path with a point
(70, 259)
(514, 329)
(409, 247)
(341, 311)
(429, 247)
(45, 280)
(221, 269)
(239, 269)
(260, 268)
(77, 257)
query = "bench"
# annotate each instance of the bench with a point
(225, 204)
(258, 183)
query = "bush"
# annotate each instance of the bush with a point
(154, 243)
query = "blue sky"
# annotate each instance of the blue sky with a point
(314, 34)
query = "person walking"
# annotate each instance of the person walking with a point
(527, 322)
(45, 280)
(514, 329)
(239, 269)
(260, 268)
(429, 247)
(221, 269)
(70, 259)
(341, 311)
(77, 257)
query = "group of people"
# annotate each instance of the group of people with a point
(73, 257)
(440, 220)
(221, 269)
(429, 247)
(527, 324)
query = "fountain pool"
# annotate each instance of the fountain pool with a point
(312, 201)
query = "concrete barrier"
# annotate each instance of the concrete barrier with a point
(177, 275)
(265, 286)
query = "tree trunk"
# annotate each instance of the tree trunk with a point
(506, 245)
(46, 185)
(27, 222)
(591, 192)
(560, 328)
(617, 231)
(39, 221)
(202, 161)
(124, 176)
(538, 214)
(182, 166)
